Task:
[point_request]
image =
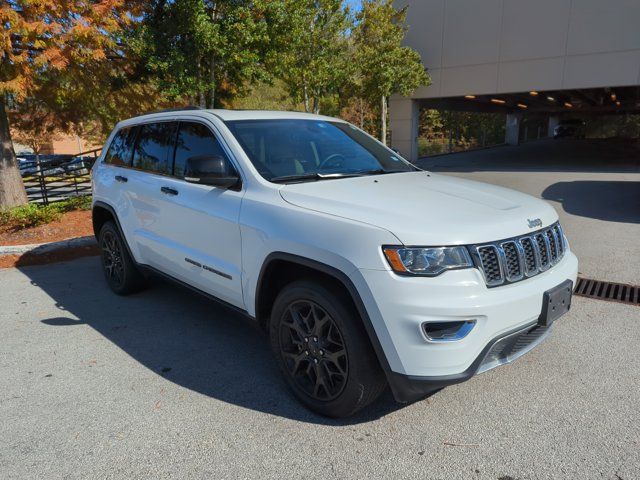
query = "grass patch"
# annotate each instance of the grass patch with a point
(34, 215)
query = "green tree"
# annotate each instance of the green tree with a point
(385, 66)
(311, 38)
(204, 51)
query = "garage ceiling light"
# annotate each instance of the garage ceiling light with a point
(522, 105)
(568, 104)
(551, 99)
(533, 93)
(613, 97)
(470, 97)
(498, 101)
(618, 103)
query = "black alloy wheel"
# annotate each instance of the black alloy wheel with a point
(323, 349)
(120, 270)
(313, 350)
(112, 258)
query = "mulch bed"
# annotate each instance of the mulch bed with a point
(62, 255)
(71, 225)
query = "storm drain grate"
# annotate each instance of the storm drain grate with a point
(612, 292)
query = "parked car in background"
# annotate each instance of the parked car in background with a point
(48, 165)
(570, 128)
(77, 166)
(365, 271)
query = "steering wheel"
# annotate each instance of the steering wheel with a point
(337, 158)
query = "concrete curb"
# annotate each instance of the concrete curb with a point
(40, 248)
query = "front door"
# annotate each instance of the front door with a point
(197, 232)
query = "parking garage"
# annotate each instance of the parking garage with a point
(535, 63)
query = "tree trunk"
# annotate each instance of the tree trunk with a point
(305, 98)
(383, 119)
(12, 192)
(202, 101)
(212, 79)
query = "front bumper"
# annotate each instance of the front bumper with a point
(500, 351)
(399, 306)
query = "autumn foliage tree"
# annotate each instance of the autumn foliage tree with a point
(61, 53)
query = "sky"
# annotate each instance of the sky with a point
(354, 4)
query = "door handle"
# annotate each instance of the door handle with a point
(169, 190)
(121, 179)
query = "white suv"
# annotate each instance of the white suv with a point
(364, 270)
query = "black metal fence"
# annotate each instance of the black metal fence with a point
(51, 178)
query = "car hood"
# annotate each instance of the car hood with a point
(422, 208)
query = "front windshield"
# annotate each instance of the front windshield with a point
(293, 149)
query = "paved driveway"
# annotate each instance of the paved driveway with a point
(165, 384)
(593, 184)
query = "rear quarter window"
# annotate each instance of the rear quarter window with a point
(121, 148)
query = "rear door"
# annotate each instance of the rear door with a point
(111, 178)
(152, 162)
(197, 235)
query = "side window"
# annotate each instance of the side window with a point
(154, 147)
(195, 139)
(121, 148)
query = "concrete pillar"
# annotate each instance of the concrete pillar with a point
(404, 116)
(554, 120)
(512, 134)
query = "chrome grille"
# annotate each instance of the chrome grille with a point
(530, 257)
(543, 250)
(511, 260)
(491, 264)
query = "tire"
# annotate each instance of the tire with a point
(119, 269)
(323, 350)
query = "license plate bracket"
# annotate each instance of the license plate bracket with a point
(555, 303)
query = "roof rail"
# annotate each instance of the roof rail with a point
(176, 109)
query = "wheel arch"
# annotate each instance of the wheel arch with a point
(268, 287)
(100, 214)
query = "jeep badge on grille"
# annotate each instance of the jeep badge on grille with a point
(536, 222)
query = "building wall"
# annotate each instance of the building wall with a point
(505, 46)
(65, 144)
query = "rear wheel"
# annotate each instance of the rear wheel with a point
(119, 269)
(323, 350)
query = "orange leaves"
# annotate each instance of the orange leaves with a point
(41, 35)
(54, 58)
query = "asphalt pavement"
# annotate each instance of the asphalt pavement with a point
(166, 384)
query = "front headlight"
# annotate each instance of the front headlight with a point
(429, 261)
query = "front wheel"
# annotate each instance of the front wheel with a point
(323, 351)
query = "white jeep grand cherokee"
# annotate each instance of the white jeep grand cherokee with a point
(365, 270)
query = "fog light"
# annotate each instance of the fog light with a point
(448, 331)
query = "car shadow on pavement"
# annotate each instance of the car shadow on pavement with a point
(183, 337)
(613, 201)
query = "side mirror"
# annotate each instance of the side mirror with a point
(211, 170)
(395, 150)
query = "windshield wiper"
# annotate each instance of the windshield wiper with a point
(382, 171)
(328, 176)
(313, 176)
